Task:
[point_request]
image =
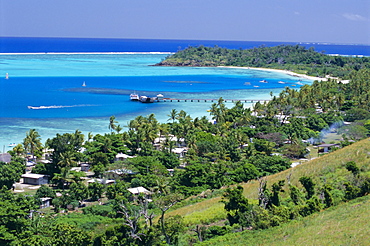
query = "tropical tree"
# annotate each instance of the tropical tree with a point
(237, 206)
(32, 143)
(63, 177)
(96, 190)
(45, 191)
(18, 150)
(173, 115)
(78, 191)
(66, 159)
(112, 123)
(66, 150)
(11, 173)
(164, 203)
(118, 128)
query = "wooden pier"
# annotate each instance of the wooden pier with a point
(212, 100)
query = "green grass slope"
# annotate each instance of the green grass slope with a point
(328, 167)
(346, 224)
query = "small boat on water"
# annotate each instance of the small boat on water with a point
(134, 97)
(263, 81)
(299, 83)
(12, 145)
(281, 82)
(6, 76)
(48, 107)
(84, 84)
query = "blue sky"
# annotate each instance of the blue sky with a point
(333, 21)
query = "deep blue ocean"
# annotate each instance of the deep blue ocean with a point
(36, 45)
(50, 72)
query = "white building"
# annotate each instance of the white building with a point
(34, 179)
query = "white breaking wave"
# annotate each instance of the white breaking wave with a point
(59, 106)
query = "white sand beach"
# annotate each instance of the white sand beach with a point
(303, 76)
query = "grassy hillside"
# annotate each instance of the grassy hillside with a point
(346, 224)
(329, 167)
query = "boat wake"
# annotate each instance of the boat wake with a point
(59, 106)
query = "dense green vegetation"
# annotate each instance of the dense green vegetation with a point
(230, 175)
(295, 58)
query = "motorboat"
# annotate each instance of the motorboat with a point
(134, 97)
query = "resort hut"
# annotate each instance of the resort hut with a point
(102, 181)
(45, 202)
(85, 167)
(136, 191)
(122, 157)
(35, 179)
(325, 148)
(180, 152)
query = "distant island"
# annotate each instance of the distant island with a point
(287, 57)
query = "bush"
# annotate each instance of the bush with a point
(356, 114)
(102, 210)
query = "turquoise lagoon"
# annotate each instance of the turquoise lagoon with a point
(55, 82)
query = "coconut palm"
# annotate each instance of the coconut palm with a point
(173, 115)
(118, 128)
(18, 149)
(90, 136)
(112, 123)
(63, 177)
(32, 142)
(164, 129)
(66, 159)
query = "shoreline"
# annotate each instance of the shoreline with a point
(303, 76)
(90, 53)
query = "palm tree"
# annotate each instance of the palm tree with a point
(112, 123)
(32, 142)
(133, 125)
(90, 136)
(66, 159)
(215, 112)
(149, 133)
(163, 129)
(173, 115)
(63, 177)
(118, 128)
(106, 145)
(18, 149)
(77, 139)
(168, 145)
(151, 118)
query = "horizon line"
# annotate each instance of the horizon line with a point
(90, 53)
(177, 39)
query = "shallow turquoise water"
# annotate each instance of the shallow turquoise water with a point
(56, 80)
